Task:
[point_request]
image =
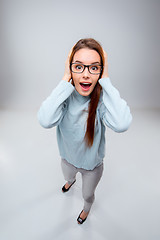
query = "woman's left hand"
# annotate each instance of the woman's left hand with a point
(105, 67)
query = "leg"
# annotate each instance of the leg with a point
(90, 180)
(69, 171)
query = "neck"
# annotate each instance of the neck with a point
(81, 97)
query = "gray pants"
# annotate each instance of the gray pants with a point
(90, 179)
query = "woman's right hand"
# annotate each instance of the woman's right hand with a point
(67, 72)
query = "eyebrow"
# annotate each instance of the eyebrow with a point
(77, 61)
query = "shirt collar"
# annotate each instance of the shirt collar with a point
(80, 98)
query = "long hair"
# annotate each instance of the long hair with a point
(92, 44)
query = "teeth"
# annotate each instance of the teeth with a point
(85, 83)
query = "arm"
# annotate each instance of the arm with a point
(114, 110)
(53, 108)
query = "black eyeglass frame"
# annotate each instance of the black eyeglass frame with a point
(87, 67)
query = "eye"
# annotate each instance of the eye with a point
(78, 67)
(94, 68)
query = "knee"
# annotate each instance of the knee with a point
(88, 198)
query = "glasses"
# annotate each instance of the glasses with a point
(79, 68)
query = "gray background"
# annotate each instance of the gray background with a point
(35, 38)
(37, 35)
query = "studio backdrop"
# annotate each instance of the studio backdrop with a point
(36, 36)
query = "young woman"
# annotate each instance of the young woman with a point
(82, 104)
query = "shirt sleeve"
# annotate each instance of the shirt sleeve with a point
(53, 108)
(114, 111)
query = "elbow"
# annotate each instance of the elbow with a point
(121, 128)
(123, 125)
(43, 122)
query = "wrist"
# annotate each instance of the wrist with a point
(66, 78)
(105, 76)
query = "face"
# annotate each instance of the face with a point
(85, 82)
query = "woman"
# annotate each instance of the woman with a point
(82, 104)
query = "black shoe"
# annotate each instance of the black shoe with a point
(80, 220)
(67, 189)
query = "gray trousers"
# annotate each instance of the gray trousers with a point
(90, 180)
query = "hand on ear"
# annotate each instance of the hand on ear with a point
(105, 67)
(67, 71)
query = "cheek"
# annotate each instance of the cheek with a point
(95, 80)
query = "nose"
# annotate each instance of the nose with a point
(86, 73)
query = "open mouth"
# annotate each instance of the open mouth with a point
(85, 86)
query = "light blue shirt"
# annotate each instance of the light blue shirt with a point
(68, 110)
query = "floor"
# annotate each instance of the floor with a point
(32, 206)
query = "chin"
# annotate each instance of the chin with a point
(83, 93)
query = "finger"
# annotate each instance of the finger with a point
(105, 54)
(70, 52)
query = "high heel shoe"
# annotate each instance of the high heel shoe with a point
(64, 189)
(80, 220)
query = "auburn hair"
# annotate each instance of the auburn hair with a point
(92, 44)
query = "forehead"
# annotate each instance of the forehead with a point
(87, 56)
